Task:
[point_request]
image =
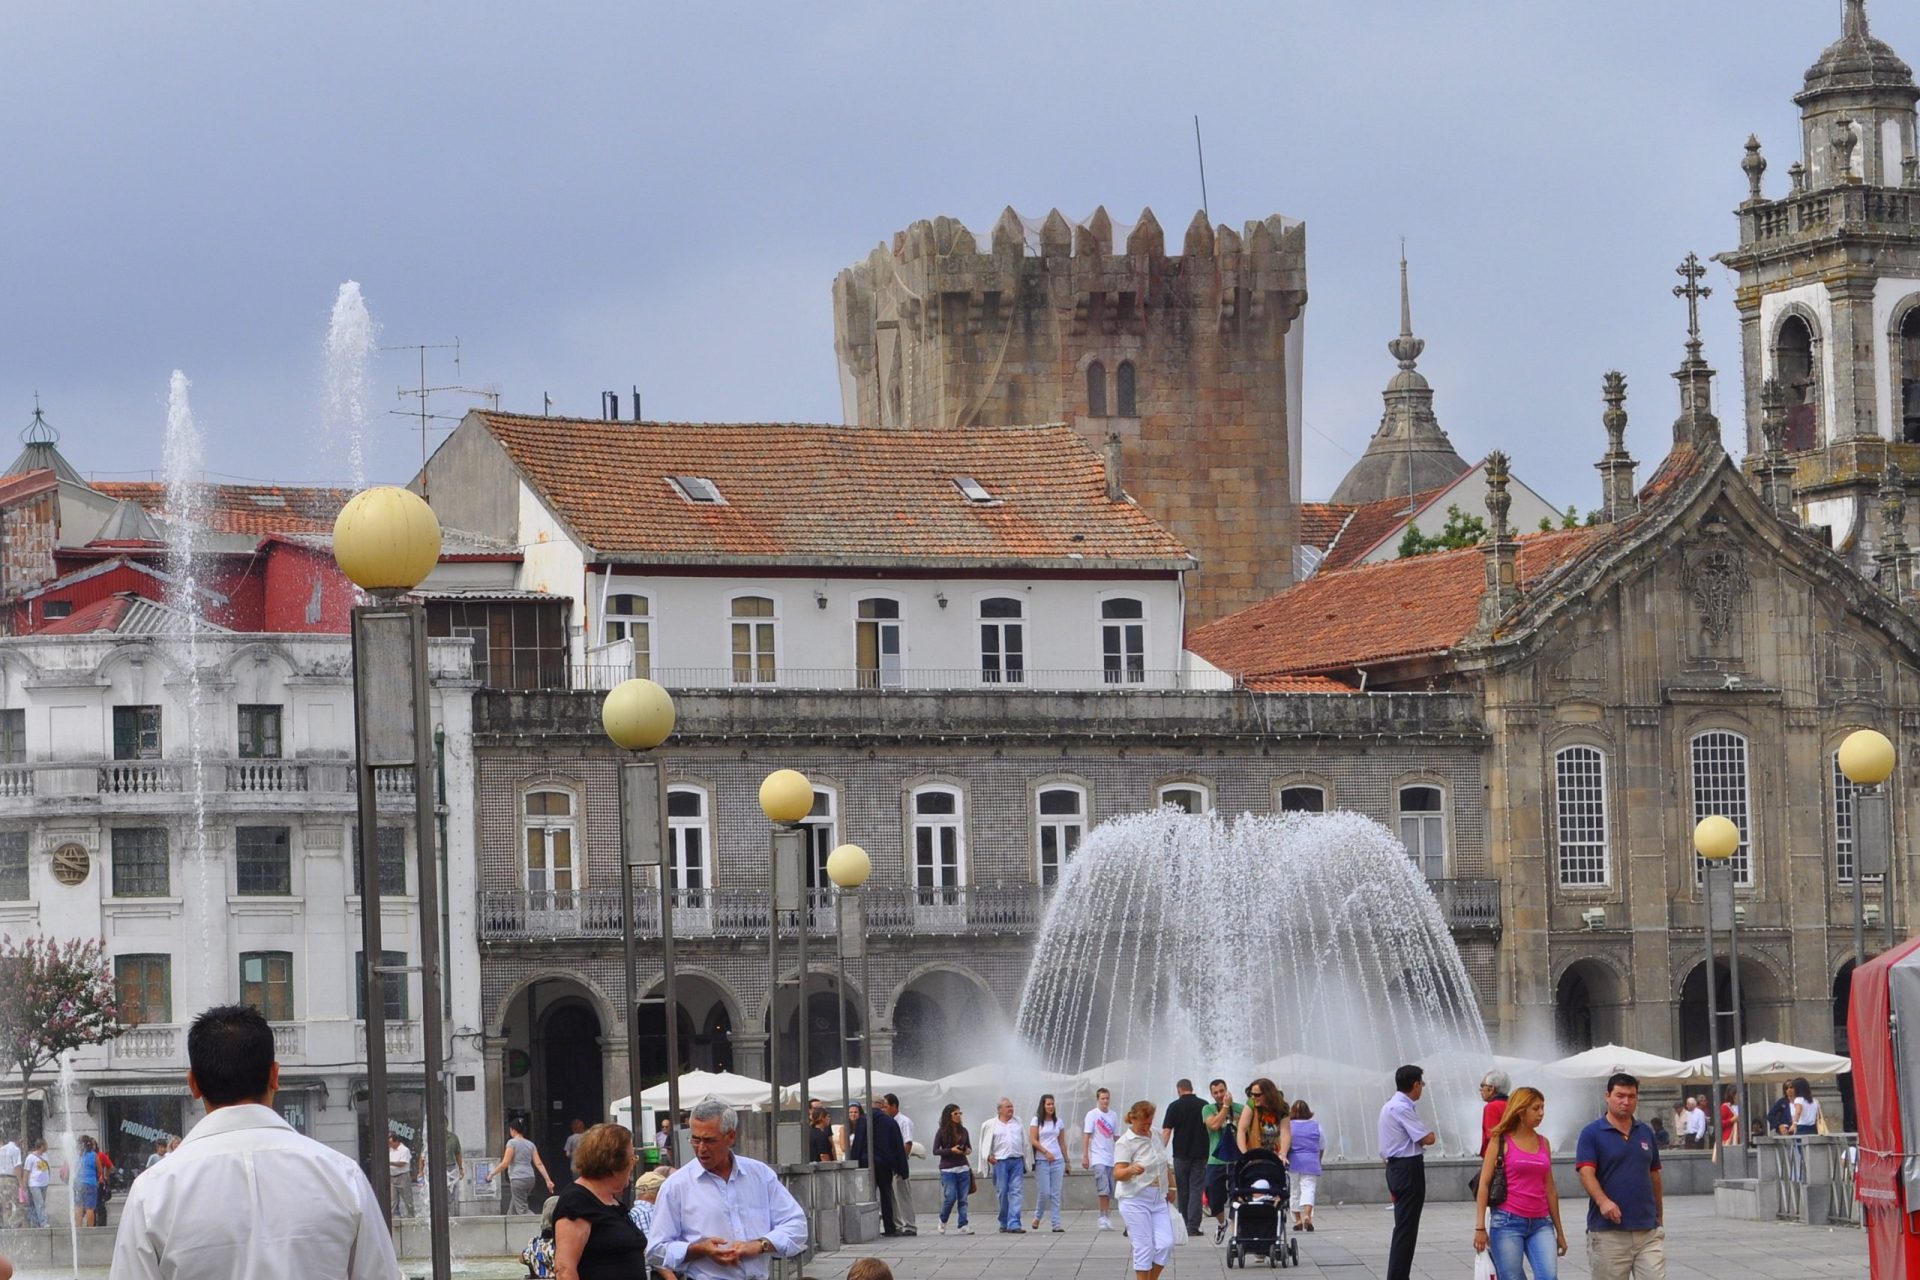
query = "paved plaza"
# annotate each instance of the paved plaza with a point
(1351, 1244)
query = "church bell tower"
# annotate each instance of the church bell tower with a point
(1829, 291)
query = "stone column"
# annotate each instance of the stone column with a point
(1850, 358)
(613, 1070)
(880, 1041)
(750, 1053)
(495, 1048)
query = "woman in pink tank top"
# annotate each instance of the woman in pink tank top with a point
(1525, 1227)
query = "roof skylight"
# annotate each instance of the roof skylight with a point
(697, 489)
(972, 489)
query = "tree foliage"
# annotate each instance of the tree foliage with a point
(54, 996)
(1460, 530)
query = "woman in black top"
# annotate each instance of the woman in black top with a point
(593, 1239)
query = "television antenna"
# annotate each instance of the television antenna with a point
(422, 396)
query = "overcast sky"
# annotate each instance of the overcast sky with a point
(591, 196)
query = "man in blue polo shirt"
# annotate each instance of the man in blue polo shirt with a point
(1619, 1164)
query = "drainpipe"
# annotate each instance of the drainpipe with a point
(440, 809)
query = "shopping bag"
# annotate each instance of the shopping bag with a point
(1483, 1265)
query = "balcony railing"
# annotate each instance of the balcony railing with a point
(140, 777)
(402, 1040)
(288, 1042)
(146, 1044)
(16, 780)
(267, 776)
(55, 780)
(1468, 904)
(517, 915)
(598, 674)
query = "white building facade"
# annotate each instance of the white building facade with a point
(227, 874)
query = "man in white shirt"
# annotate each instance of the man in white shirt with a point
(902, 1194)
(244, 1197)
(1102, 1127)
(724, 1215)
(1695, 1122)
(1004, 1144)
(10, 1162)
(400, 1177)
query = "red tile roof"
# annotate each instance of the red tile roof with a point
(244, 508)
(1299, 684)
(1397, 609)
(833, 494)
(1373, 521)
(1320, 523)
(101, 615)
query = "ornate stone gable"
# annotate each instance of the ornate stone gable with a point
(1714, 569)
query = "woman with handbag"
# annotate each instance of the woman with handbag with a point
(1515, 1189)
(953, 1147)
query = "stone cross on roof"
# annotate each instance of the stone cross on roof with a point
(1692, 291)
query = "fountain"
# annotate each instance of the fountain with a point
(1302, 946)
(351, 342)
(184, 457)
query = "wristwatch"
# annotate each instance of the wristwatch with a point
(767, 1246)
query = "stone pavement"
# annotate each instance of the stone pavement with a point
(1351, 1244)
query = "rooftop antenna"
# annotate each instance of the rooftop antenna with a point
(1200, 152)
(422, 395)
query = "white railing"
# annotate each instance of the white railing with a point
(138, 777)
(267, 776)
(393, 782)
(288, 1042)
(147, 1043)
(401, 1038)
(16, 780)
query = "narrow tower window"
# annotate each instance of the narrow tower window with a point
(1793, 364)
(1910, 377)
(1097, 390)
(1123, 389)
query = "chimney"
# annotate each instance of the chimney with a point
(1501, 551)
(1617, 500)
(636, 402)
(1114, 491)
(610, 405)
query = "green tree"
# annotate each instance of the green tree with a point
(1460, 530)
(59, 996)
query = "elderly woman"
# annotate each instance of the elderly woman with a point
(1494, 1088)
(592, 1238)
(1143, 1184)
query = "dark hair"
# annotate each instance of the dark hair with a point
(230, 1050)
(1040, 1109)
(949, 1132)
(1621, 1079)
(1301, 1111)
(1273, 1099)
(890, 1100)
(1183, 1083)
(869, 1269)
(1408, 1076)
(1218, 1081)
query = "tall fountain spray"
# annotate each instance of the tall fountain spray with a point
(351, 342)
(184, 457)
(1303, 946)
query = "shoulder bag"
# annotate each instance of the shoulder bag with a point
(1496, 1185)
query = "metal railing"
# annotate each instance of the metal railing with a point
(597, 674)
(981, 910)
(1814, 1174)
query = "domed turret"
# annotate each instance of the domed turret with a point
(1857, 60)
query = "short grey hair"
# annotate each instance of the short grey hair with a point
(714, 1109)
(1498, 1081)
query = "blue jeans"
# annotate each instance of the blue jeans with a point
(1009, 1184)
(36, 1206)
(953, 1191)
(1511, 1237)
(1048, 1177)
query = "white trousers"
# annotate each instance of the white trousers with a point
(1149, 1220)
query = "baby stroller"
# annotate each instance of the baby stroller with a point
(1257, 1204)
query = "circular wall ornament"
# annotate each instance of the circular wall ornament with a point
(71, 863)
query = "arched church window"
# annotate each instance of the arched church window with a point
(1097, 390)
(1793, 365)
(1123, 389)
(1910, 377)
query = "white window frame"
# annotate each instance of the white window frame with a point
(1067, 831)
(1124, 673)
(1431, 823)
(1002, 673)
(1581, 826)
(548, 825)
(823, 836)
(1202, 789)
(943, 884)
(882, 676)
(626, 623)
(754, 654)
(1733, 802)
(690, 853)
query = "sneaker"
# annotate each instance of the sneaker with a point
(943, 1228)
(909, 1231)
(1106, 1224)
(1060, 1230)
(965, 1230)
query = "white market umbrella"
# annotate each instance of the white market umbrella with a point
(825, 1086)
(1598, 1064)
(734, 1090)
(1770, 1062)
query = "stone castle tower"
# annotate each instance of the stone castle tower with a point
(1829, 295)
(1189, 361)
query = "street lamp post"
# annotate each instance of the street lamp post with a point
(1707, 835)
(1867, 759)
(848, 867)
(786, 797)
(1718, 839)
(638, 715)
(387, 540)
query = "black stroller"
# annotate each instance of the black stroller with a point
(1257, 1203)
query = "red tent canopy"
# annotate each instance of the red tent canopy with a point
(1886, 1083)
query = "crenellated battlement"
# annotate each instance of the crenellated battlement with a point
(1183, 366)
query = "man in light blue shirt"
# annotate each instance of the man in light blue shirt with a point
(721, 1217)
(1403, 1138)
